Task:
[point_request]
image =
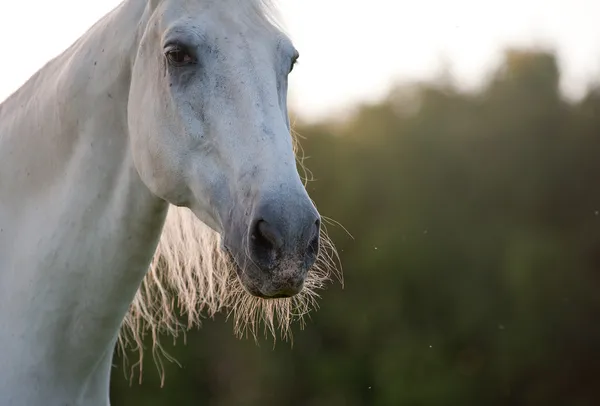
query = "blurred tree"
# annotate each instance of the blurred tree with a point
(473, 271)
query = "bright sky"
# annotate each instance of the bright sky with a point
(352, 50)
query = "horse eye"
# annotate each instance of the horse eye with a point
(179, 56)
(294, 62)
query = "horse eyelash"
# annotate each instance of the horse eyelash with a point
(294, 63)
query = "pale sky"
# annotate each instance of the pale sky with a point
(352, 50)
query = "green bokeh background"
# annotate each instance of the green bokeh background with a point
(473, 274)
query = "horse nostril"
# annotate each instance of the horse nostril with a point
(275, 242)
(313, 245)
(267, 236)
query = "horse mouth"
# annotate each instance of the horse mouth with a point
(250, 286)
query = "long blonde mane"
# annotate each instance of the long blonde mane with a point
(190, 278)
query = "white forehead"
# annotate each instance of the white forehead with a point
(222, 17)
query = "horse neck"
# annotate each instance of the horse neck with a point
(83, 87)
(70, 190)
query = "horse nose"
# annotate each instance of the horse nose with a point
(282, 235)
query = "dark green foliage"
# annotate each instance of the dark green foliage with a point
(474, 271)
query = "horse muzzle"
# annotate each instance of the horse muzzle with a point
(276, 249)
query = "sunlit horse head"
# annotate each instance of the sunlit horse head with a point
(159, 139)
(209, 129)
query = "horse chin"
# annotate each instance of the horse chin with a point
(271, 293)
(277, 294)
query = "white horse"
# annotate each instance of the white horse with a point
(165, 113)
